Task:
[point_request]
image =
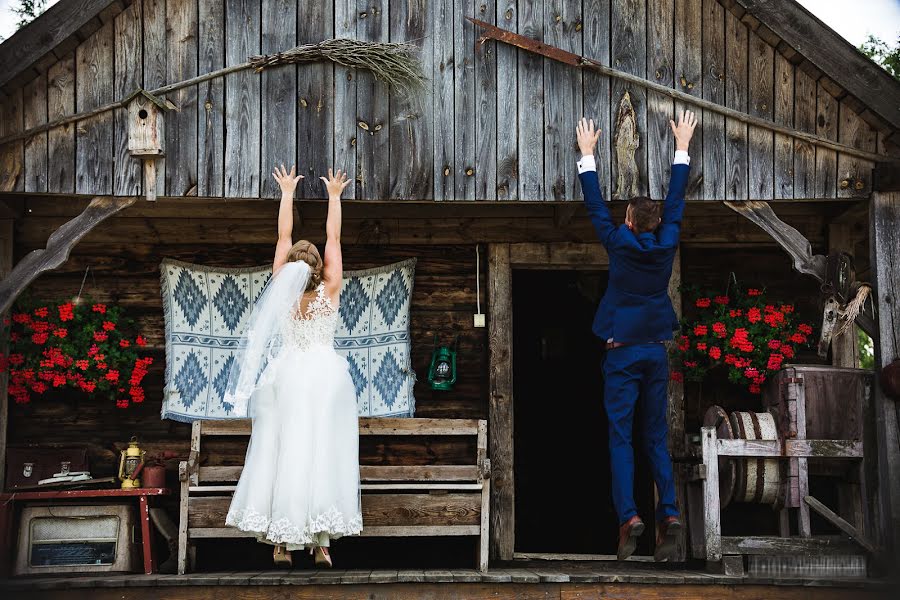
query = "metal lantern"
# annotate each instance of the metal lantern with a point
(131, 461)
(442, 372)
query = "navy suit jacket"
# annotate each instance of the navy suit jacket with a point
(636, 308)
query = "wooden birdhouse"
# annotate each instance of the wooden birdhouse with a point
(146, 134)
(145, 124)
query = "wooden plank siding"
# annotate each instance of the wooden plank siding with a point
(493, 122)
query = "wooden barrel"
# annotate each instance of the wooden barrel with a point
(757, 480)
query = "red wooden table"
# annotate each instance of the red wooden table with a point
(8, 500)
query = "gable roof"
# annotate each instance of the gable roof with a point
(826, 50)
(52, 35)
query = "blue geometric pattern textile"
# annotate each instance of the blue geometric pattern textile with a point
(373, 334)
(206, 310)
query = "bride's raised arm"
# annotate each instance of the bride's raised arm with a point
(287, 181)
(334, 262)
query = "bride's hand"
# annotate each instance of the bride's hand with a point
(287, 180)
(335, 183)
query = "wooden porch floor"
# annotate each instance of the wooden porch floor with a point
(568, 581)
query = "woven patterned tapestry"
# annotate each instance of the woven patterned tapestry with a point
(206, 310)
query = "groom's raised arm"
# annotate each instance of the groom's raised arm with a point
(590, 184)
(673, 207)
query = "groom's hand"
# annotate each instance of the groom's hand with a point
(684, 130)
(587, 137)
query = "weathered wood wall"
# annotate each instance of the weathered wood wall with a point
(121, 259)
(494, 123)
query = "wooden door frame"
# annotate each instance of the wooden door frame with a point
(503, 258)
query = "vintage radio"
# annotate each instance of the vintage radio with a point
(76, 539)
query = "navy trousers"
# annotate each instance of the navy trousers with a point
(638, 373)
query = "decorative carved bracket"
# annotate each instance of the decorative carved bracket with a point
(59, 245)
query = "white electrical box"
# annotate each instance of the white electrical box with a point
(479, 320)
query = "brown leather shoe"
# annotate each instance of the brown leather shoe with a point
(629, 533)
(665, 538)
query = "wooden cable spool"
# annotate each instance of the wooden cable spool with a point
(757, 480)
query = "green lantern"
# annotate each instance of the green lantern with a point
(442, 372)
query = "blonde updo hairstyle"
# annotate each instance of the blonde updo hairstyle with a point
(308, 253)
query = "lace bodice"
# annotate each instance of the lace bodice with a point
(315, 325)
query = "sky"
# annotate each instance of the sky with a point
(880, 17)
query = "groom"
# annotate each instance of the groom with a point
(635, 317)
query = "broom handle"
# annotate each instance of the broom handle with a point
(121, 103)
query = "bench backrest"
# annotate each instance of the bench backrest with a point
(471, 472)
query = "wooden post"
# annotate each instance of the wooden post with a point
(500, 407)
(6, 260)
(884, 224)
(844, 347)
(675, 417)
(712, 513)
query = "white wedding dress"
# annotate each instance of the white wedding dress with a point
(300, 483)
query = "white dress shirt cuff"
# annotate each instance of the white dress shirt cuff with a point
(681, 158)
(587, 163)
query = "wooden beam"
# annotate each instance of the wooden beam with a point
(58, 247)
(830, 53)
(500, 403)
(884, 219)
(58, 23)
(835, 519)
(712, 514)
(675, 419)
(6, 261)
(788, 545)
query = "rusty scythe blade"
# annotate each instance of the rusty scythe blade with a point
(508, 37)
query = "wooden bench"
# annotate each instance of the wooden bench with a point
(420, 500)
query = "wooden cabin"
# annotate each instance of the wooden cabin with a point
(476, 177)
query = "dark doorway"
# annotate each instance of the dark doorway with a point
(563, 499)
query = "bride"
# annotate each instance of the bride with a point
(300, 483)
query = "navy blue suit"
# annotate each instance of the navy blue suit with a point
(636, 311)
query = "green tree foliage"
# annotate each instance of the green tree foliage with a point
(28, 10)
(866, 350)
(886, 56)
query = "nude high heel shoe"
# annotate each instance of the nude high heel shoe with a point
(322, 557)
(282, 557)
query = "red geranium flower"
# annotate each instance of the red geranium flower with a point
(787, 351)
(774, 344)
(99, 308)
(700, 330)
(798, 338)
(66, 311)
(41, 312)
(112, 376)
(108, 325)
(723, 300)
(124, 343)
(676, 376)
(100, 336)
(701, 346)
(804, 329)
(715, 353)
(753, 315)
(754, 292)
(703, 302)
(61, 333)
(140, 341)
(719, 329)
(122, 403)
(754, 389)
(39, 338)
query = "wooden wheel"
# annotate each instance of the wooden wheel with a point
(717, 417)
